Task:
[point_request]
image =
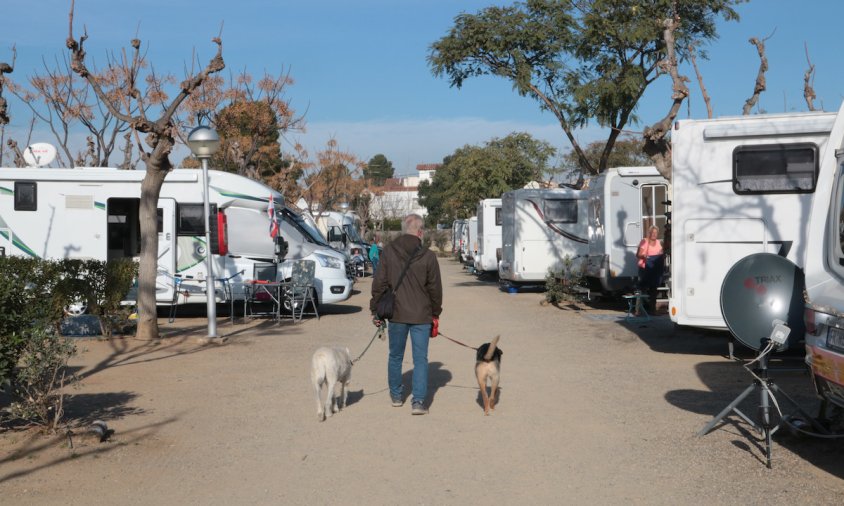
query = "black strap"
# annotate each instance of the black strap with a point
(406, 265)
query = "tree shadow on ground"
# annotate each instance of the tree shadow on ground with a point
(38, 444)
(85, 408)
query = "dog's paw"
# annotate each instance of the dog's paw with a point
(320, 416)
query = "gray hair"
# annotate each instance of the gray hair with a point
(412, 224)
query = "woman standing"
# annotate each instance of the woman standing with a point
(651, 265)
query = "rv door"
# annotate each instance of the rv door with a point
(165, 281)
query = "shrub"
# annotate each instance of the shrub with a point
(42, 373)
(563, 285)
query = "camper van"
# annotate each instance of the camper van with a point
(469, 242)
(540, 229)
(624, 203)
(93, 213)
(740, 185)
(489, 236)
(824, 271)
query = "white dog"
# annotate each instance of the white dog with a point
(331, 366)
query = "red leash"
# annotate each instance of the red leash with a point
(456, 341)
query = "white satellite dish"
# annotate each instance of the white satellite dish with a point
(39, 154)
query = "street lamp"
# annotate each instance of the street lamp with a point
(204, 142)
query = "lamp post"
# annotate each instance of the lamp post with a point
(204, 142)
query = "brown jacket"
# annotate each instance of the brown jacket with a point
(420, 296)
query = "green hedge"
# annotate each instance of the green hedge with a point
(34, 293)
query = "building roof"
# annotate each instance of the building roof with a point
(428, 166)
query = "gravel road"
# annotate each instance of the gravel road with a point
(592, 410)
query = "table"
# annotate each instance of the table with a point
(252, 291)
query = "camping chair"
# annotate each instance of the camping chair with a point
(301, 289)
(260, 295)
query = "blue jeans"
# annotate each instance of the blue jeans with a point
(420, 334)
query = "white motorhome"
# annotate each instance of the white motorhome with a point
(93, 213)
(740, 185)
(469, 241)
(342, 230)
(540, 229)
(624, 203)
(489, 235)
(824, 271)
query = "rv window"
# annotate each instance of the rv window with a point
(561, 211)
(778, 168)
(498, 221)
(191, 219)
(839, 214)
(26, 196)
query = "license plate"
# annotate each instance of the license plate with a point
(835, 339)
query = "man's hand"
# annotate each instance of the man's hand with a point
(435, 327)
(375, 321)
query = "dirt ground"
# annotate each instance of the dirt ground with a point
(592, 409)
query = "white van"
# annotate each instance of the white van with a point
(540, 229)
(93, 213)
(824, 271)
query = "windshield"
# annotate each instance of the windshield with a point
(303, 227)
(352, 233)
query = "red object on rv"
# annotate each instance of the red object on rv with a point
(222, 233)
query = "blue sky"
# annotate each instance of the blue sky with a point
(361, 74)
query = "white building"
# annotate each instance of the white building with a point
(399, 197)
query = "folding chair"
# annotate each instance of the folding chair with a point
(301, 290)
(262, 274)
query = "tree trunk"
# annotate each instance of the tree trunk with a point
(148, 272)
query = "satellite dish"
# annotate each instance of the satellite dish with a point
(759, 289)
(39, 154)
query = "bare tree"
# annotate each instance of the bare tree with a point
(809, 81)
(656, 146)
(250, 117)
(706, 99)
(760, 85)
(5, 68)
(128, 104)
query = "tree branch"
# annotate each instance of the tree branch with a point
(760, 85)
(808, 81)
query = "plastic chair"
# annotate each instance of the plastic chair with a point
(301, 290)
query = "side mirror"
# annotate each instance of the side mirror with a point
(281, 248)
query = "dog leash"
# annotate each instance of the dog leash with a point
(456, 341)
(379, 332)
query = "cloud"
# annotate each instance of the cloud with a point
(407, 143)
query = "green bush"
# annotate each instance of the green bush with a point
(35, 292)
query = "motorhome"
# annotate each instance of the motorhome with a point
(740, 185)
(457, 229)
(489, 236)
(469, 242)
(93, 213)
(824, 271)
(541, 229)
(624, 202)
(342, 230)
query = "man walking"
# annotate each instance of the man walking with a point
(418, 302)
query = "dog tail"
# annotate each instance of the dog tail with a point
(491, 350)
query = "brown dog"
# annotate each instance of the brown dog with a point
(488, 369)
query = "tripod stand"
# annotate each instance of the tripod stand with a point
(766, 387)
